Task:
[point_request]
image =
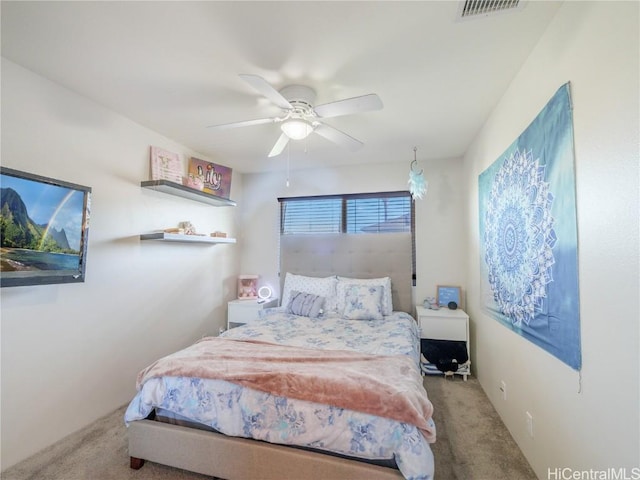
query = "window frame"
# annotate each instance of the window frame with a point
(344, 199)
(343, 223)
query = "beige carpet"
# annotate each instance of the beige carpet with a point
(473, 444)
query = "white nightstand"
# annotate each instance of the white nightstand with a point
(246, 311)
(445, 324)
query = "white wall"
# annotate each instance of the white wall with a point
(70, 353)
(441, 251)
(590, 422)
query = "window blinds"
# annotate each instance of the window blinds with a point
(354, 213)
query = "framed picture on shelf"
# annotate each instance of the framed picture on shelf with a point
(446, 294)
(216, 179)
(166, 165)
(247, 287)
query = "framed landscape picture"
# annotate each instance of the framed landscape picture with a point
(44, 229)
(216, 178)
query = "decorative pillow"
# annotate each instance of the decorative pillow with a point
(363, 302)
(322, 287)
(305, 304)
(384, 282)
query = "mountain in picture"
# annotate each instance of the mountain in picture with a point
(18, 230)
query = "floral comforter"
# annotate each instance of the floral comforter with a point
(238, 411)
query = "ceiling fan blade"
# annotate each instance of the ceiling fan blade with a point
(338, 137)
(246, 123)
(263, 87)
(279, 146)
(364, 103)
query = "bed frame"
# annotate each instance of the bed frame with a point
(233, 458)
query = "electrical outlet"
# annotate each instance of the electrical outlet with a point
(529, 424)
(503, 389)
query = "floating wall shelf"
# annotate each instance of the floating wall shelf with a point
(178, 190)
(180, 238)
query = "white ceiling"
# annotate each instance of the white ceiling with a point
(173, 67)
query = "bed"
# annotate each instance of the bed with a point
(264, 435)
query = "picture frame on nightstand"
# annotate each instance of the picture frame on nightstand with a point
(446, 294)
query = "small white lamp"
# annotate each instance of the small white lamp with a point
(264, 293)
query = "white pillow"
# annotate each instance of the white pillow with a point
(363, 302)
(384, 282)
(323, 287)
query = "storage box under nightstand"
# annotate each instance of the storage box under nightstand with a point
(445, 324)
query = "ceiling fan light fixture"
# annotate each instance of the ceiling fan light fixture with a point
(296, 128)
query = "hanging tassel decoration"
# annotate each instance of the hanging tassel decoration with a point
(417, 182)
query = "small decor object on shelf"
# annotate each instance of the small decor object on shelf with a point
(193, 181)
(430, 302)
(247, 287)
(166, 165)
(447, 295)
(264, 293)
(219, 234)
(188, 228)
(216, 179)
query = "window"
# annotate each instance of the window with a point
(306, 215)
(377, 213)
(354, 213)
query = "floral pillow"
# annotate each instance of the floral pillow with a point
(363, 302)
(385, 283)
(305, 304)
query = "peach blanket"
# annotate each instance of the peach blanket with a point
(386, 386)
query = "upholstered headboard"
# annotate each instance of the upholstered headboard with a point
(356, 256)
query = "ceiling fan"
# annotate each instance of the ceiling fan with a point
(300, 117)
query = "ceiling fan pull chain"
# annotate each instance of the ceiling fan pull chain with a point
(288, 159)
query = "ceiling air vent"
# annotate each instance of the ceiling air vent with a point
(476, 8)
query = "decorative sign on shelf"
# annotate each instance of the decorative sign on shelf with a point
(448, 294)
(247, 287)
(216, 179)
(165, 165)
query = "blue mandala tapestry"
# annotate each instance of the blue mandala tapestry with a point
(528, 234)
